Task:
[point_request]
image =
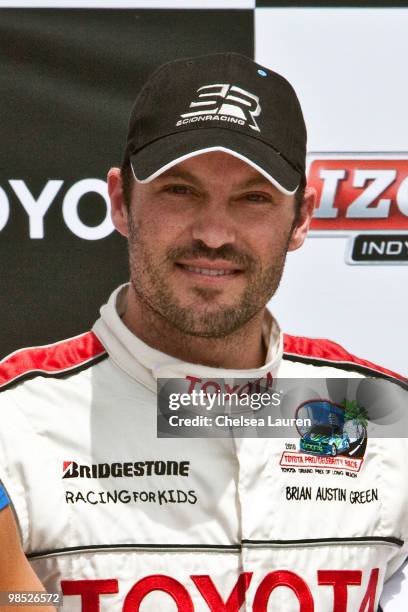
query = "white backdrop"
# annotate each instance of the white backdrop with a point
(348, 68)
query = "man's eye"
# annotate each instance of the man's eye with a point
(256, 197)
(178, 189)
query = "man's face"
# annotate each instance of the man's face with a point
(207, 243)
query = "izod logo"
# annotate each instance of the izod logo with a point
(363, 192)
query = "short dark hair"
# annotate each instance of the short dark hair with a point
(128, 180)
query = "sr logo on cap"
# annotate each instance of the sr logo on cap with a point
(224, 99)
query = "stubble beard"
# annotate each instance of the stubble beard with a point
(149, 284)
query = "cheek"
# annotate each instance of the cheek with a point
(268, 241)
(149, 242)
(154, 216)
(142, 229)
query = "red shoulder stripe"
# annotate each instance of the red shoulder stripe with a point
(52, 358)
(326, 350)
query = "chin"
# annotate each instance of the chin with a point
(212, 323)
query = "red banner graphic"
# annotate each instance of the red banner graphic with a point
(360, 194)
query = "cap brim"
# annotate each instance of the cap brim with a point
(162, 154)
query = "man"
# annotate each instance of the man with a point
(210, 197)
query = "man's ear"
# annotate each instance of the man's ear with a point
(119, 211)
(305, 216)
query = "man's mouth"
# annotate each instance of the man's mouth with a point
(208, 271)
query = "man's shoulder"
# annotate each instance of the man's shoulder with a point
(323, 353)
(55, 360)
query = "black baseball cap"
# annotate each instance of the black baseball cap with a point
(218, 102)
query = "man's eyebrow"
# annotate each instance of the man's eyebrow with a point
(258, 180)
(254, 182)
(183, 175)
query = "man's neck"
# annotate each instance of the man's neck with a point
(243, 349)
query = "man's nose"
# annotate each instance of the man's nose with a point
(213, 224)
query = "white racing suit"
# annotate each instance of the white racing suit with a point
(119, 519)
